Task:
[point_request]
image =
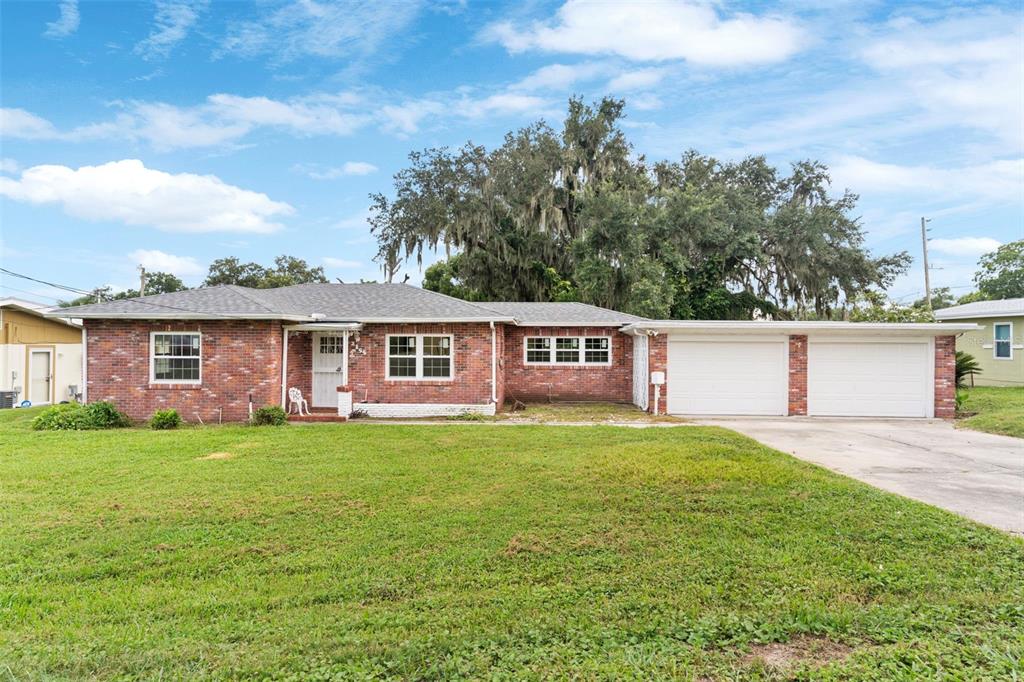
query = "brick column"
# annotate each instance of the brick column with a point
(797, 375)
(657, 361)
(945, 377)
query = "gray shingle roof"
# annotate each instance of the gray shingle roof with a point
(1003, 308)
(566, 314)
(342, 302)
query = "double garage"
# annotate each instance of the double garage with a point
(838, 369)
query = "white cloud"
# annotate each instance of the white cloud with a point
(1001, 180)
(356, 221)
(18, 123)
(656, 30)
(318, 172)
(67, 23)
(341, 263)
(560, 76)
(314, 115)
(173, 20)
(8, 165)
(306, 28)
(158, 261)
(128, 192)
(499, 104)
(405, 118)
(639, 79)
(964, 246)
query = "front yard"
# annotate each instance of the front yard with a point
(999, 410)
(343, 551)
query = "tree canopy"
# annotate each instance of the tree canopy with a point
(1001, 272)
(287, 270)
(577, 215)
(156, 283)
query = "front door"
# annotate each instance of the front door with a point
(328, 368)
(39, 376)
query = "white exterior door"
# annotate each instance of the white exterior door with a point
(328, 368)
(870, 378)
(728, 375)
(40, 376)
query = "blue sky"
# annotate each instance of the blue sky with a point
(173, 133)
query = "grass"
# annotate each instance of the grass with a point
(349, 551)
(999, 410)
(546, 413)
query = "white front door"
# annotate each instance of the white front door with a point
(40, 376)
(727, 375)
(328, 368)
(869, 378)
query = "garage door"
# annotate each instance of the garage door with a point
(727, 376)
(868, 379)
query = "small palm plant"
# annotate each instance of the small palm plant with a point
(965, 365)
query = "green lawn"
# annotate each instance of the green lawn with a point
(999, 410)
(343, 551)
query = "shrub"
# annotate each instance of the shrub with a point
(961, 399)
(271, 415)
(78, 417)
(165, 419)
(965, 365)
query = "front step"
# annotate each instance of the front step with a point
(319, 414)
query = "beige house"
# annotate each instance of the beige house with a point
(40, 357)
(999, 345)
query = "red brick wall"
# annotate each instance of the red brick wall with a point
(576, 382)
(797, 375)
(657, 361)
(238, 357)
(300, 364)
(471, 376)
(945, 377)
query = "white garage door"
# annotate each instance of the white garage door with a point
(727, 376)
(869, 379)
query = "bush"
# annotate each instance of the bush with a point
(966, 365)
(78, 417)
(961, 399)
(165, 419)
(271, 415)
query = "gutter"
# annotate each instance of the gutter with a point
(839, 328)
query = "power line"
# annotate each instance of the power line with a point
(49, 284)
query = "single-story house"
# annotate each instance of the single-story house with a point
(399, 351)
(998, 342)
(40, 358)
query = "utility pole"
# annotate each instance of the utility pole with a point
(142, 281)
(924, 248)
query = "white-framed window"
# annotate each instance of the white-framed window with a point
(567, 350)
(331, 345)
(175, 357)
(419, 356)
(1002, 340)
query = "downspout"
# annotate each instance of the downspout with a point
(344, 360)
(85, 366)
(494, 364)
(284, 369)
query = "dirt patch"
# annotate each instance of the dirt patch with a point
(217, 455)
(522, 544)
(803, 650)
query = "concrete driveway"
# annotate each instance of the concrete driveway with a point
(977, 475)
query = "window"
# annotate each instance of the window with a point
(176, 357)
(419, 356)
(331, 345)
(568, 350)
(1003, 338)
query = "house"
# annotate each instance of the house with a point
(40, 358)
(997, 344)
(400, 351)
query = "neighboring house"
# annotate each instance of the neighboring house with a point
(401, 351)
(40, 358)
(998, 345)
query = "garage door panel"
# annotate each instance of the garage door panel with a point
(727, 377)
(868, 379)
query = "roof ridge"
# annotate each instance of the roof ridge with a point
(249, 294)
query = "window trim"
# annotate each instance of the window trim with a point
(152, 359)
(996, 341)
(419, 358)
(581, 352)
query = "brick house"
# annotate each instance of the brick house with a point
(397, 350)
